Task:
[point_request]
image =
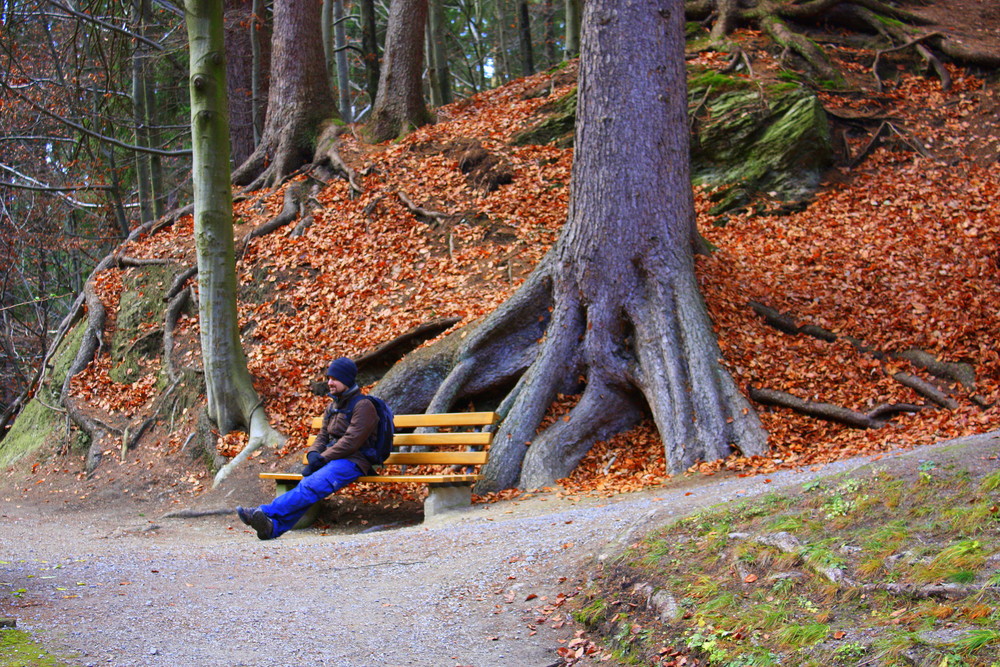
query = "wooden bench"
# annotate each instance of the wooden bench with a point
(446, 490)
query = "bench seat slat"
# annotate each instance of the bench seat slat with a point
(422, 479)
(382, 479)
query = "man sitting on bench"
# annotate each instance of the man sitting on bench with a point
(335, 458)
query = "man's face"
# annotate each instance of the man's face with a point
(336, 386)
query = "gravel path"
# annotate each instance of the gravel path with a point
(481, 587)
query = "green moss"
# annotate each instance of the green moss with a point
(37, 424)
(18, 649)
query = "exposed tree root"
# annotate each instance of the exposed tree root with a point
(93, 337)
(926, 389)
(419, 211)
(886, 130)
(273, 162)
(174, 309)
(951, 372)
(875, 418)
(328, 153)
(95, 429)
(394, 349)
(292, 204)
(179, 280)
(788, 543)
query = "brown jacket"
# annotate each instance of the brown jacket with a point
(339, 438)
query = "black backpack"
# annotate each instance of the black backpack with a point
(379, 444)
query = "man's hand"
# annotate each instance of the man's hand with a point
(316, 461)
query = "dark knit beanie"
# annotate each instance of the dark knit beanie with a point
(343, 369)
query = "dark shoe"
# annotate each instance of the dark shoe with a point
(244, 514)
(262, 524)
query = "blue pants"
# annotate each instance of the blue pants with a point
(288, 508)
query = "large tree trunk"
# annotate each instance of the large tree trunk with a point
(232, 401)
(400, 106)
(299, 99)
(613, 311)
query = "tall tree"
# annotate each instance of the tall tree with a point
(299, 99)
(438, 70)
(399, 105)
(232, 401)
(574, 16)
(369, 49)
(612, 312)
(524, 37)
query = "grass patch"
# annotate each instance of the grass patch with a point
(18, 649)
(800, 578)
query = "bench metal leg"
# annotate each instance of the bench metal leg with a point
(281, 486)
(446, 497)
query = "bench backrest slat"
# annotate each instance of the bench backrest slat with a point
(435, 439)
(440, 420)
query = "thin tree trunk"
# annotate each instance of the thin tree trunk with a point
(258, 98)
(232, 401)
(343, 75)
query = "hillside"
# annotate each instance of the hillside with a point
(897, 252)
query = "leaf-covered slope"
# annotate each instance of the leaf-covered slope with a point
(898, 252)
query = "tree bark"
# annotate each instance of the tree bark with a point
(399, 106)
(232, 401)
(613, 311)
(299, 100)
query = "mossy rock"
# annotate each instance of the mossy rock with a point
(140, 310)
(750, 138)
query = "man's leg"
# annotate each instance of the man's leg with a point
(285, 510)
